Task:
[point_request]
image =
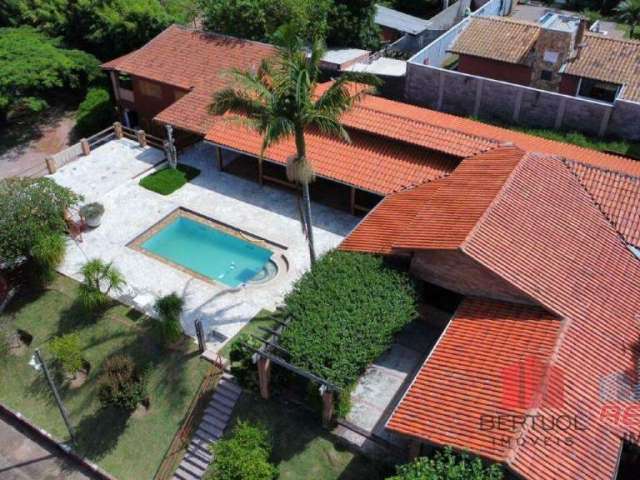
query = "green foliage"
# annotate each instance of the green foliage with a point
(95, 112)
(261, 19)
(68, 352)
(4, 342)
(168, 180)
(242, 367)
(345, 312)
(49, 16)
(121, 384)
(417, 8)
(33, 66)
(31, 210)
(448, 466)
(91, 210)
(352, 24)
(169, 309)
(343, 405)
(99, 279)
(47, 252)
(244, 455)
(628, 11)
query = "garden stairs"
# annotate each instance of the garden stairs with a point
(216, 417)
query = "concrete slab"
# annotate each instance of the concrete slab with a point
(130, 210)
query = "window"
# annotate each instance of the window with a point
(150, 89)
(551, 57)
(546, 75)
(597, 90)
(124, 81)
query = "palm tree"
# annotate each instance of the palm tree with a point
(279, 101)
(629, 12)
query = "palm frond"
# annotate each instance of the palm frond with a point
(229, 99)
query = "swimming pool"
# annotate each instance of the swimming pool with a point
(208, 251)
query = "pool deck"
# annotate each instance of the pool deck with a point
(110, 175)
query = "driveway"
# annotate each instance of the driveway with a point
(24, 458)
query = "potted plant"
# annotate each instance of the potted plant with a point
(92, 214)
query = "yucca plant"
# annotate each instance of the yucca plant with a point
(99, 279)
(280, 101)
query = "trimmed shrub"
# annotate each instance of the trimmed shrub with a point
(95, 113)
(121, 384)
(446, 465)
(68, 352)
(169, 309)
(99, 280)
(244, 455)
(168, 180)
(345, 312)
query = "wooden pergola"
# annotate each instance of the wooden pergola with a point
(354, 207)
(271, 352)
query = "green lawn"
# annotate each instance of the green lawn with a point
(168, 180)
(301, 447)
(129, 448)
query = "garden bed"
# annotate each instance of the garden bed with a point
(168, 180)
(301, 447)
(128, 447)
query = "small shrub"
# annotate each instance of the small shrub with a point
(47, 253)
(95, 112)
(91, 210)
(244, 455)
(169, 309)
(242, 366)
(68, 352)
(343, 404)
(447, 465)
(168, 180)
(99, 279)
(121, 384)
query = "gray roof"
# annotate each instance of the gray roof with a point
(402, 22)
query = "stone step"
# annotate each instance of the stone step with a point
(223, 417)
(193, 469)
(202, 453)
(230, 384)
(208, 436)
(212, 429)
(228, 394)
(200, 443)
(222, 411)
(222, 400)
(215, 421)
(183, 474)
(195, 460)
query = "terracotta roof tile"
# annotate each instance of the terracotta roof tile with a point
(497, 38)
(608, 59)
(371, 163)
(465, 375)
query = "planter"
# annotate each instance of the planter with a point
(92, 214)
(93, 222)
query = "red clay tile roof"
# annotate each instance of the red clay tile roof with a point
(466, 374)
(371, 163)
(192, 60)
(544, 234)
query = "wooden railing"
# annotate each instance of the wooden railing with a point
(190, 424)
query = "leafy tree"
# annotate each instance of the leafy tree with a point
(169, 309)
(99, 279)
(31, 212)
(418, 8)
(49, 16)
(244, 455)
(352, 24)
(95, 112)
(279, 102)
(344, 313)
(261, 19)
(68, 352)
(629, 12)
(33, 66)
(448, 466)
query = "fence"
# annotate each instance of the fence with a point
(176, 450)
(84, 146)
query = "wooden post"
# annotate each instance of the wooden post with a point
(414, 449)
(352, 201)
(51, 164)
(117, 128)
(327, 407)
(142, 138)
(86, 148)
(202, 345)
(260, 179)
(264, 375)
(220, 160)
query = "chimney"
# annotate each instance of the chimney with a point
(582, 28)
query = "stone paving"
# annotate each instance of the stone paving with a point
(110, 175)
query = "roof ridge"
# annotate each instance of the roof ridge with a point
(616, 40)
(602, 169)
(218, 34)
(517, 21)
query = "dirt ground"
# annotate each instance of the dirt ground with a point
(24, 146)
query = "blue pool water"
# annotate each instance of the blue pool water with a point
(208, 251)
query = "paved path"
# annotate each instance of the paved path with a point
(23, 458)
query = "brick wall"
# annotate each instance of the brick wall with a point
(455, 271)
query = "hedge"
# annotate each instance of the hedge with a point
(168, 180)
(94, 113)
(345, 312)
(447, 465)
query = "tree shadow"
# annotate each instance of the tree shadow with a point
(98, 434)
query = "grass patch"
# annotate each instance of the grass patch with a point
(127, 447)
(264, 318)
(168, 180)
(301, 447)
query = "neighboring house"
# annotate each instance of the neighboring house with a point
(558, 54)
(395, 24)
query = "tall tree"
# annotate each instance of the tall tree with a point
(279, 101)
(352, 24)
(629, 12)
